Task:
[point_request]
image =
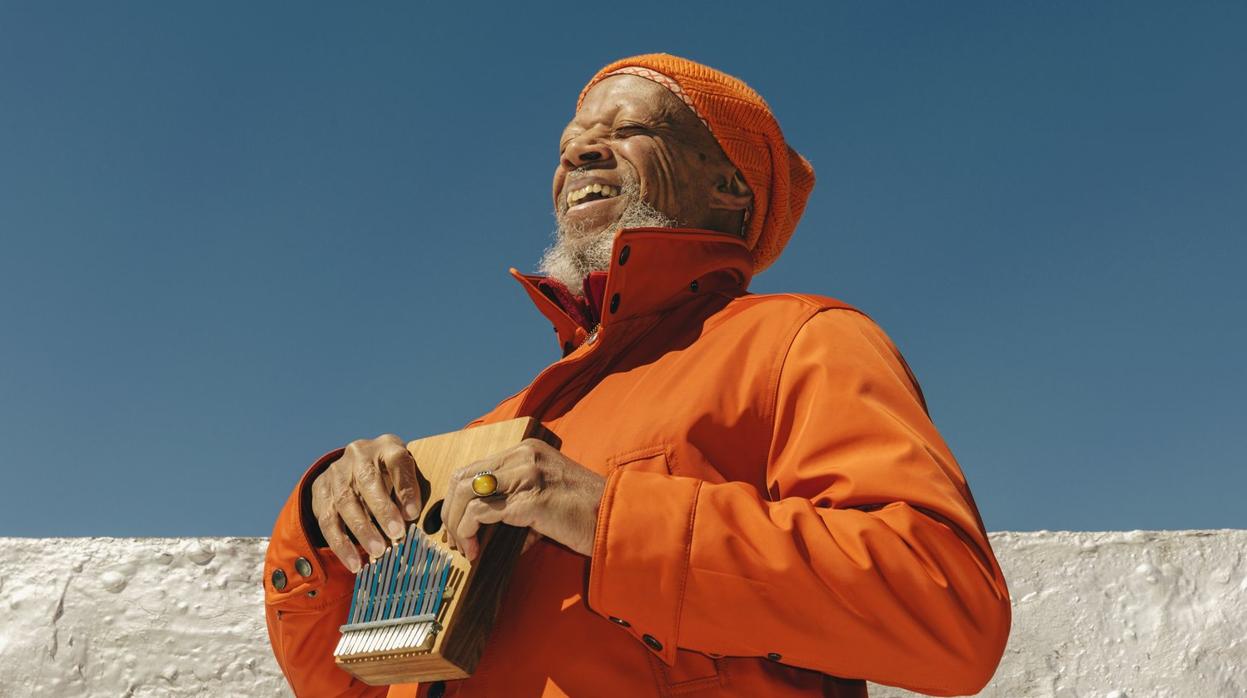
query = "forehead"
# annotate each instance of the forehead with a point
(630, 96)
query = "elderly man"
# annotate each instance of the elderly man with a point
(749, 498)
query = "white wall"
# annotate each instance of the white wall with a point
(1095, 614)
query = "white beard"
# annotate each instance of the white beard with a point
(573, 255)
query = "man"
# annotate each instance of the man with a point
(749, 498)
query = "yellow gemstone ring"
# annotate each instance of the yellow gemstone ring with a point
(484, 484)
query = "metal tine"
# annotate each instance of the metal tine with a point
(372, 590)
(441, 586)
(425, 564)
(391, 598)
(413, 583)
(383, 638)
(354, 598)
(442, 577)
(387, 561)
(426, 581)
(416, 574)
(387, 584)
(423, 571)
(369, 591)
(400, 591)
(409, 543)
(392, 641)
(361, 587)
(365, 592)
(431, 589)
(430, 583)
(400, 599)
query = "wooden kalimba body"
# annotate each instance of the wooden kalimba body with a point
(421, 612)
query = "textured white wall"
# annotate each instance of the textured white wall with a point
(1095, 614)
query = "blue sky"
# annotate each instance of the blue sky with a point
(235, 236)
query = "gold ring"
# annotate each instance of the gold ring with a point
(484, 484)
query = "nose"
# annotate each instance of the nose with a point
(584, 150)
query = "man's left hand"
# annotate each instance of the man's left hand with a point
(538, 488)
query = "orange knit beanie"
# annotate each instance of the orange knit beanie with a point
(745, 128)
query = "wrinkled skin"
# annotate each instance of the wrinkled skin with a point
(626, 126)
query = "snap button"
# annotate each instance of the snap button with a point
(620, 622)
(303, 567)
(774, 656)
(279, 579)
(652, 642)
(614, 302)
(693, 286)
(624, 254)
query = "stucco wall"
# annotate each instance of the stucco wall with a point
(1095, 614)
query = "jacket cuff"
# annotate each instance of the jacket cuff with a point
(296, 547)
(640, 555)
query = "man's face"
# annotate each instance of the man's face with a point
(630, 130)
(635, 156)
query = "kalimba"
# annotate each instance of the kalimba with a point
(421, 612)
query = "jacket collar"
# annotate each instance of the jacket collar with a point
(653, 269)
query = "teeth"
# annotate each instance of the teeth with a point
(603, 189)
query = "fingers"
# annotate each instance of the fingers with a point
(405, 479)
(477, 513)
(459, 497)
(339, 542)
(359, 522)
(372, 481)
(458, 493)
(331, 526)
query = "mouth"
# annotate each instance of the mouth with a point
(583, 196)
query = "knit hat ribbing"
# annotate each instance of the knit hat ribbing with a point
(742, 123)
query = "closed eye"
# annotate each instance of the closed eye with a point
(627, 131)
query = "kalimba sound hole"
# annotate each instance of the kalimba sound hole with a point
(433, 519)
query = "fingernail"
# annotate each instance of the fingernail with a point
(412, 509)
(376, 549)
(395, 528)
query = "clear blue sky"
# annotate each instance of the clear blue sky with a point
(233, 237)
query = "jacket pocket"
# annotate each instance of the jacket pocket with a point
(651, 459)
(693, 672)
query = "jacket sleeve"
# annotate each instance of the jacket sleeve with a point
(865, 558)
(304, 615)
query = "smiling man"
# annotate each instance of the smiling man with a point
(749, 498)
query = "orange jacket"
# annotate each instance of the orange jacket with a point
(781, 517)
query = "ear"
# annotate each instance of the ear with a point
(731, 194)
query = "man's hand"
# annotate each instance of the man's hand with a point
(538, 487)
(372, 480)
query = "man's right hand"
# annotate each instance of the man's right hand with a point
(374, 479)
